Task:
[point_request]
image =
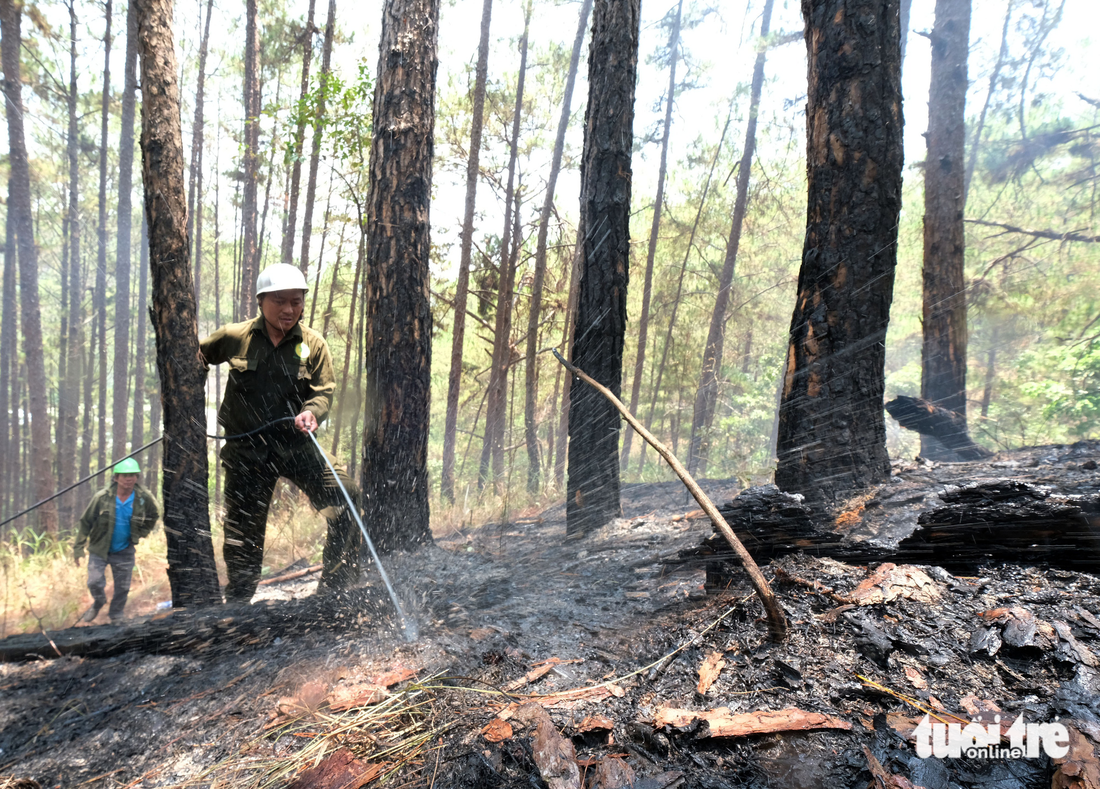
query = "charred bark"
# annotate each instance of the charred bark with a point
(22, 221)
(594, 424)
(398, 319)
(530, 415)
(191, 570)
(943, 354)
(941, 424)
(832, 432)
(462, 285)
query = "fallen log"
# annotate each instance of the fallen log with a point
(214, 629)
(946, 426)
(987, 523)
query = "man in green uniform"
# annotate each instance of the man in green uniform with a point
(278, 368)
(117, 517)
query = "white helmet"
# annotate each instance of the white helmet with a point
(281, 276)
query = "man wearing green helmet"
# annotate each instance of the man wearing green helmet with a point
(117, 517)
(279, 370)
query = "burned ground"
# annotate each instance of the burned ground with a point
(610, 631)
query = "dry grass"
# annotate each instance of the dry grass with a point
(41, 587)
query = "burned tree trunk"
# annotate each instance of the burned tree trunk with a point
(398, 318)
(99, 299)
(191, 570)
(945, 426)
(832, 432)
(20, 216)
(593, 483)
(943, 354)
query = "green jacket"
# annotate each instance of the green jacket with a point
(97, 524)
(268, 383)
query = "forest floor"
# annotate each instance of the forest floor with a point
(612, 635)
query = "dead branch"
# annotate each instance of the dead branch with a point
(1051, 234)
(777, 623)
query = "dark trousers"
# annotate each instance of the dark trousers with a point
(122, 571)
(248, 491)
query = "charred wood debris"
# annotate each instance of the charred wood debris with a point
(967, 591)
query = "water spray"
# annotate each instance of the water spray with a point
(408, 625)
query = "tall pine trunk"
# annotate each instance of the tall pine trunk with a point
(191, 569)
(99, 299)
(398, 321)
(530, 399)
(462, 285)
(121, 394)
(291, 223)
(943, 357)
(74, 340)
(318, 133)
(654, 230)
(832, 432)
(493, 445)
(655, 397)
(706, 396)
(9, 439)
(141, 343)
(19, 214)
(249, 212)
(593, 481)
(194, 182)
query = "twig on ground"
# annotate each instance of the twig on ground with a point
(777, 622)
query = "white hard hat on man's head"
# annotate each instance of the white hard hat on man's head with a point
(280, 276)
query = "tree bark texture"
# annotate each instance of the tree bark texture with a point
(9, 439)
(594, 424)
(191, 570)
(832, 435)
(530, 410)
(706, 396)
(462, 286)
(318, 129)
(249, 209)
(654, 231)
(398, 319)
(495, 421)
(19, 213)
(121, 393)
(943, 354)
(299, 139)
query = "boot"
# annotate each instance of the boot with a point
(90, 614)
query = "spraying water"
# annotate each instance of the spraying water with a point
(408, 625)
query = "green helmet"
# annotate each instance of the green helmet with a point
(127, 466)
